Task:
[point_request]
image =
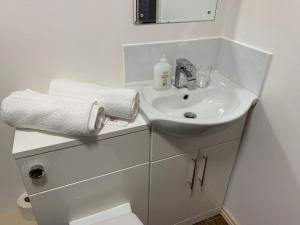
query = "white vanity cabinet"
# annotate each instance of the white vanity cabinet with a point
(191, 186)
(189, 175)
(167, 179)
(68, 179)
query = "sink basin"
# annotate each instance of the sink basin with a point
(184, 111)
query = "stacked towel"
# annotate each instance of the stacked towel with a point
(121, 103)
(66, 115)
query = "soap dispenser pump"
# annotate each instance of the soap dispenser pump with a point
(162, 74)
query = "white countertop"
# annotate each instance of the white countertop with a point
(31, 142)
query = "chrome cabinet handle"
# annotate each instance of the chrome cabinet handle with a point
(201, 179)
(36, 172)
(192, 173)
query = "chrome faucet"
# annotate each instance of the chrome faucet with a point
(188, 70)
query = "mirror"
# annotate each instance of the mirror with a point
(174, 11)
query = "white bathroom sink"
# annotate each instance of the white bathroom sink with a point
(221, 103)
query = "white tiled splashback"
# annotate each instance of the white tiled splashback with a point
(242, 64)
(140, 58)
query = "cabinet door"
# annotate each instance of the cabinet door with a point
(170, 189)
(213, 171)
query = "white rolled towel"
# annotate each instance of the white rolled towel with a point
(117, 102)
(64, 115)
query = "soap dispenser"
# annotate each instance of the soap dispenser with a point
(162, 74)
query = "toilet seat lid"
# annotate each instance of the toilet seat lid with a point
(126, 219)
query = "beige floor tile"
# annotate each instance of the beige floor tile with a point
(14, 218)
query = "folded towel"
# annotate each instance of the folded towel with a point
(121, 103)
(65, 115)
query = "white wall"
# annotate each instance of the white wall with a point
(265, 189)
(40, 40)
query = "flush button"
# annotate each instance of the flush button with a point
(37, 172)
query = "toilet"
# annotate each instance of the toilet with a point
(121, 214)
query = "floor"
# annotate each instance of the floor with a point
(16, 218)
(217, 220)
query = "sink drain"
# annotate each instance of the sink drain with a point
(190, 115)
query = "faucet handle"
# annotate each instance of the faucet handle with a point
(183, 63)
(188, 67)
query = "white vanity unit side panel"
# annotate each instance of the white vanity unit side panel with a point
(71, 202)
(32, 142)
(81, 162)
(165, 145)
